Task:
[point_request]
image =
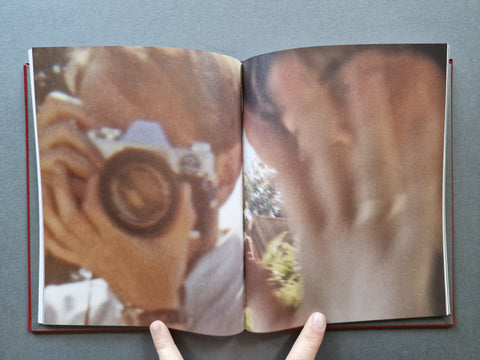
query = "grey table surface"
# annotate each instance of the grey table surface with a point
(240, 29)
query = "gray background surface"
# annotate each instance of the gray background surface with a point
(240, 29)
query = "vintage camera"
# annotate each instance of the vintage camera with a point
(139, 183)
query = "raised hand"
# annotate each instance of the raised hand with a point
(357, 140)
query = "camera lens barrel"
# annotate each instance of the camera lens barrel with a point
(138, 191)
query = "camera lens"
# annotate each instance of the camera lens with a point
(138, 191)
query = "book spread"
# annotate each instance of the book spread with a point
(222, 196)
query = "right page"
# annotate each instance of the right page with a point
(343, 174)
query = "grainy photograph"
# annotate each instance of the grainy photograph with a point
(140, 162)
(347, 143)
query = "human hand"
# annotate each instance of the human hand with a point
(62, 139)
(357, 137)
(77, 229)
(305, 347)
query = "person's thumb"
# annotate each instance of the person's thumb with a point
(163, 342)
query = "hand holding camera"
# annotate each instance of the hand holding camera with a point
(139, 181)
(144, 267)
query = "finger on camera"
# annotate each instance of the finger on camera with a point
(63, 215)
(57, 238)
(57, 248)
(67, 134)
(64, 198)
(75, 163)
(60, 107)
(68, 207)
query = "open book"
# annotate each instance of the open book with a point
(220, 195)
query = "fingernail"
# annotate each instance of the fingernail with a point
(156, 329)
(318, 322)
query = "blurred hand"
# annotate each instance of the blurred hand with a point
(357, 142)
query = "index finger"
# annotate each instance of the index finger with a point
(59, 106)
(308, 342)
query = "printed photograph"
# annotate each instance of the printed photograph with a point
(344, 214)
(140, 162)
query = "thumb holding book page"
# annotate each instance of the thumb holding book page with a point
(356, 136)
(305, 347)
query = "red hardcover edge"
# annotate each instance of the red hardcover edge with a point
(29, 266)
(330, 327)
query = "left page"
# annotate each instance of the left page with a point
(140, 189)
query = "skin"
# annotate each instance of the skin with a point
(356, 197)
(358, 152)
(305, 347)
(112, 87)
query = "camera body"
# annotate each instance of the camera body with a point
(139, 182)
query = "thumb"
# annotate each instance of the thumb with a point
(308, 342)
(162, 339)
